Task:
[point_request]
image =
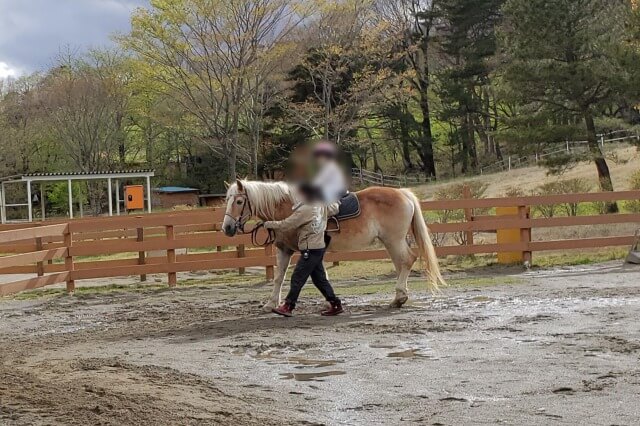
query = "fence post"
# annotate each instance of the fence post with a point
(525, 234)
(240, 251)
(68, 260)
(381, 178)
(270, 270)
(141, 254)
(509, 163)
(40, 265)
(171, 256)
(468, 214)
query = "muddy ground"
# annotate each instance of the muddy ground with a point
(559, 346)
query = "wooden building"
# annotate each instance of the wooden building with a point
(167, 197)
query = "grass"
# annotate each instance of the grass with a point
(359, 278)
(529, 178)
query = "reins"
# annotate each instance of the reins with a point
(244, 218)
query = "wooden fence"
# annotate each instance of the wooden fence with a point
(169, 243)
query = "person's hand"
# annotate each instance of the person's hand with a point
(268, 225)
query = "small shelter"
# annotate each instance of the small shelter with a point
(212, 200)
(167, 197)
(111, 178)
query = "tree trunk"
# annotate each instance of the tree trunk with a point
(464, 144)
(231, 153)
(405, 140)
(426, 144)
(604, 175)
(374, 154)
(426, 141)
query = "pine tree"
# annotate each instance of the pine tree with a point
(570, 56)
(467, 37)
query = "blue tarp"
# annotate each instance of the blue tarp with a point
(174, 189)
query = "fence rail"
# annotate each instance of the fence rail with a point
(164, 243)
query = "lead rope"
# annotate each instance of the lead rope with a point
(271, 236)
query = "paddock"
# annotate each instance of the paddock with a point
(157, 335)
(524, 347)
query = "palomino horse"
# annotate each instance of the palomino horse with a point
(387, 214)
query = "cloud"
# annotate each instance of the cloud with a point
(33, 32)
(7, 71)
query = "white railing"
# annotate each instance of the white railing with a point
(571, 147)
(366, 177)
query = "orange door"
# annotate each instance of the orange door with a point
(134, 197)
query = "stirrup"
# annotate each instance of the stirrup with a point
(336, 221)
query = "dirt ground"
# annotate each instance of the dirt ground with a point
(540, 347)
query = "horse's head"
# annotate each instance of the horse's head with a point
(238, 210)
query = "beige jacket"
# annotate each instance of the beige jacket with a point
(310, 221)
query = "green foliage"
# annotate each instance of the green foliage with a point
(571, 58)
(633, 206)
(58, 196)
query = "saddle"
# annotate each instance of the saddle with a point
(349, 209)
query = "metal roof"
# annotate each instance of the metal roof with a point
(63, 176)
(77, 174)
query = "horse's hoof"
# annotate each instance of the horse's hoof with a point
(268, 307)
(397, 303)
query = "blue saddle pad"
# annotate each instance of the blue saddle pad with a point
(349, 207)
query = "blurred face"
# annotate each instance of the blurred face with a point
(237, 212)
(322, 159)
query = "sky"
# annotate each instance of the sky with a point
(33, 32)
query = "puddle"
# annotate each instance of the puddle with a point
(381, 346)
(311, 362)
(409, 353)
(311, 377)
(303, 362)
(480, 299)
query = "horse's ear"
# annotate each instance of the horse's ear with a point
(239, 185)
(226, 184)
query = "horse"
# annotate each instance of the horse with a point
(389, 215)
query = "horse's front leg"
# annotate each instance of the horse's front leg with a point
(283, 257)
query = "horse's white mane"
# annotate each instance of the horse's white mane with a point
(266, 196)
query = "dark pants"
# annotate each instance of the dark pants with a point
(311, 266)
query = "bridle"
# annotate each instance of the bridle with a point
(245, 214)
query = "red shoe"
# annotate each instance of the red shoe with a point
(335, 309)
(285, 310)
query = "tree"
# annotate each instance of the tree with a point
(467, 38)
(411, 26)
(85, 103)
(344, 76)
(203, 52)
(570, 56)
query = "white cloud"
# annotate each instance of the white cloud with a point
(7, 71)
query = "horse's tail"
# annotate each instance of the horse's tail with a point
(426, 251)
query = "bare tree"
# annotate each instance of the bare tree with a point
(203, 52)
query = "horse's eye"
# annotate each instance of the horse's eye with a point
(239, 202)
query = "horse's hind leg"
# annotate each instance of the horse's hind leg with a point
(403, 258)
